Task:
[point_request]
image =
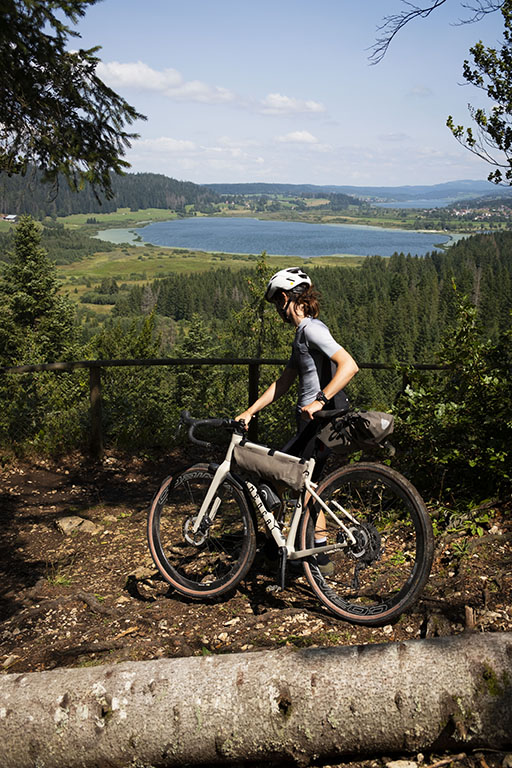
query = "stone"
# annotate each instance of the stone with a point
(73, 523)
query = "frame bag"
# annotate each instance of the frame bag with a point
(358, 430)
(264, 463)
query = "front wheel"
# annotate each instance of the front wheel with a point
(210, 561)
(378, 571)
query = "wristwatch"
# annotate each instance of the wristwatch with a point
(320, 396)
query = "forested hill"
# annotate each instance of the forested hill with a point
(27, 195)
(390, 309)
(453, 190)
(301, 190)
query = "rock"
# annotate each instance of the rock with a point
(401, 764)
(9, 661)
(438, 626)
(141, 573)
(73, 523)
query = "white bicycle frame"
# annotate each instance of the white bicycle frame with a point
(211, 504)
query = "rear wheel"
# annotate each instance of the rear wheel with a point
(212, 560)
(374, 578)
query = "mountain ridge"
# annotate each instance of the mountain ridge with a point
(456, 190)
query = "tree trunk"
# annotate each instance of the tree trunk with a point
(275, 705)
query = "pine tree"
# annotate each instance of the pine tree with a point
(255, 329)
(30, 286)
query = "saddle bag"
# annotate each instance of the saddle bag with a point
(264, 463)
(357, 430)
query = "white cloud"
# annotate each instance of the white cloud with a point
(394, 138)
(228, 141)
(165, 144)
(277, 104)
(420, 92)
(298, 137)
(298, 141)
(172, 84)
(137, 75)
(169, 82)
(195, 90)
(180, 158)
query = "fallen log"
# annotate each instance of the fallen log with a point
(293, 705)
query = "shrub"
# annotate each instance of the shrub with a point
(455, 433)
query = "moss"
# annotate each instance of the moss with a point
(495, 686)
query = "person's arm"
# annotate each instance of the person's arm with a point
(274, 392)
(346, 369)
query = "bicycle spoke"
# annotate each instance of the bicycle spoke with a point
(216, 555)
(378, 573)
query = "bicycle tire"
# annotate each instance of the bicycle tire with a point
(213, 561)
(375, 580)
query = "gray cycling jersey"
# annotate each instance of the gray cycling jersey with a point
(313, 342)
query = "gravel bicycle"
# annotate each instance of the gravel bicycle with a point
(375, 528)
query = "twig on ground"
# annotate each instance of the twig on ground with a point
(447, 760)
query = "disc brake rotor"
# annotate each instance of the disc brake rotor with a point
(367, 546)
(198, 538)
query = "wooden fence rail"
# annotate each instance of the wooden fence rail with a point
(253, 364)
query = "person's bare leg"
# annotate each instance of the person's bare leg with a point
(320, 528)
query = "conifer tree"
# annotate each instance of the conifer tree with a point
(197, 388)
(55, 112)
(42, 318)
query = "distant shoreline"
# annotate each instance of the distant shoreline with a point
(130, 236)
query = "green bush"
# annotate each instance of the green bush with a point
(138, 409)
(455, 433)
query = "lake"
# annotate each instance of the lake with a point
(285, 238)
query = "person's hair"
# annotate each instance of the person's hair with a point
(309, 300)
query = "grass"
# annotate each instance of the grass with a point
(133, 265)
(123, 217)
(138, 264)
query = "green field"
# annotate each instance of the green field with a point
(133, 265)
(123, 217)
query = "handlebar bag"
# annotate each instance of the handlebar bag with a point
(357, 430)
(273, 465)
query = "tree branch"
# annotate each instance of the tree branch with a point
(392, 24)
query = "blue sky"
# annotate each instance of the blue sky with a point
(282, 90)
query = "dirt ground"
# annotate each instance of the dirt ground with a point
(94, 597)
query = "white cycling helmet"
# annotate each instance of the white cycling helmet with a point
(291, 280)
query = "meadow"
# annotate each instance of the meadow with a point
(131, 265)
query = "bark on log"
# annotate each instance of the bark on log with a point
(274, 705)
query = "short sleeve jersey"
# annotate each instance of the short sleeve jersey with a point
(313, 342)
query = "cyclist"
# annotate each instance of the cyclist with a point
(322, 365)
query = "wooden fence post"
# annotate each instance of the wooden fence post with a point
(96, 437)
(254, 383)
(254, 365)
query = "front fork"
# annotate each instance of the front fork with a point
(211, 501)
